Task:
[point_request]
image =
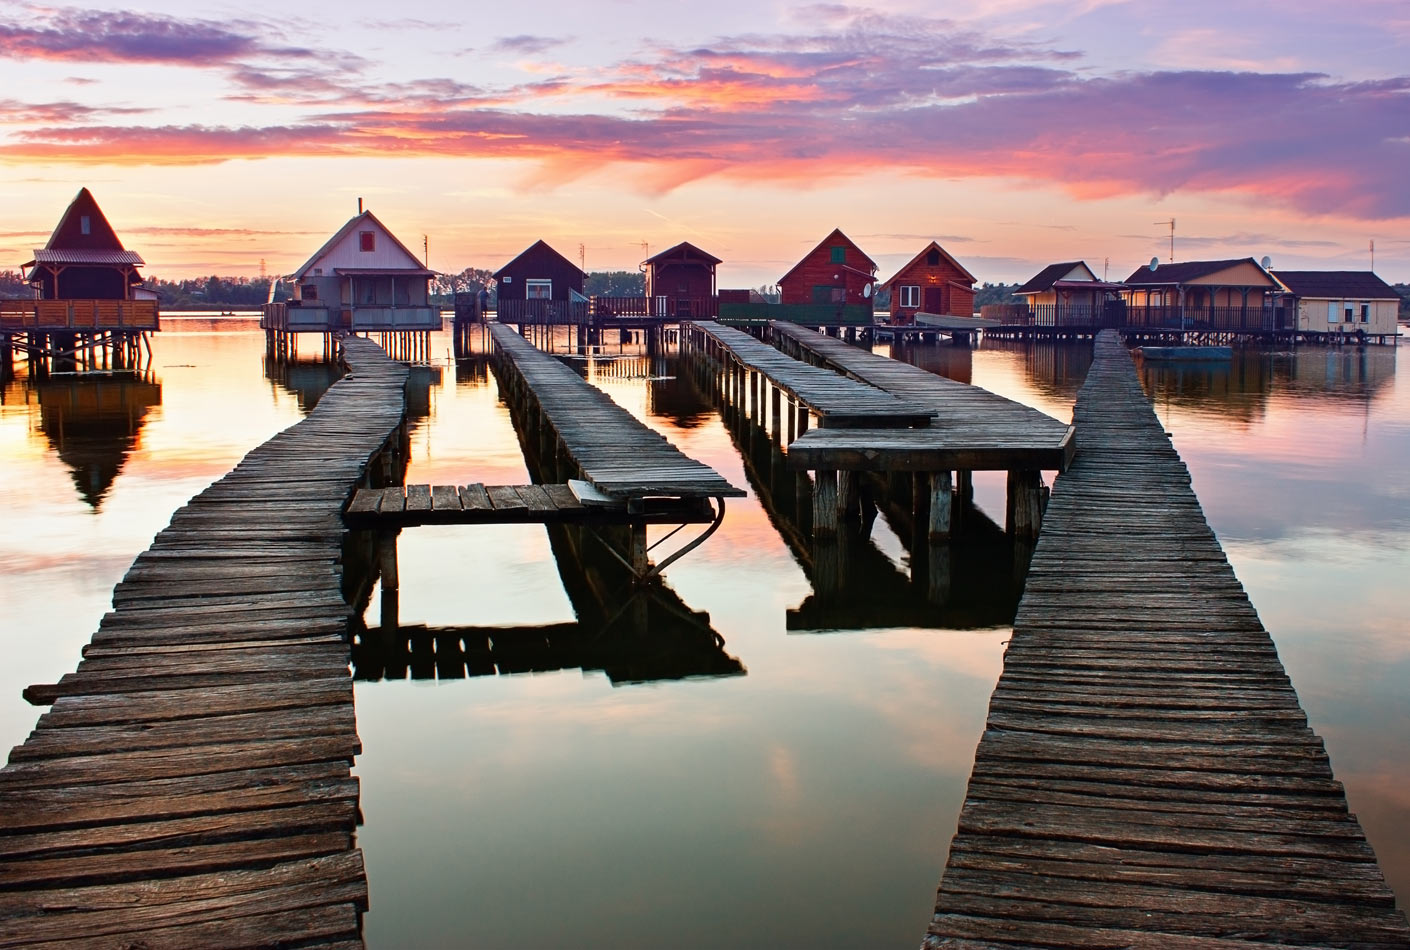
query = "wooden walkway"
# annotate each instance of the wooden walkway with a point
(973, 429)
(839, 401)
(399, 506)
(1147, 778)
(190, 786)
(614, 451)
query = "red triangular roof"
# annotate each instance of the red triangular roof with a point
(546, 246)
(69, 233)
(685, 249)
(925, 250)
(825, 242)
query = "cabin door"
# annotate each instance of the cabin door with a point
(932, 300)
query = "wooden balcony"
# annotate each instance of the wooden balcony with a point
(331, 319)
(29, 315)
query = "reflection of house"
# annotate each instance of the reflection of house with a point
(363, 278)
(1215, 294)
(93, 425)
(538, 283)
(1342, 301)
(686, 275)
(933, 282)
(835, 272)
(1070, 292)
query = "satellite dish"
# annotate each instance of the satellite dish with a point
(1155, 262)
(866, 291)
(1267, 262)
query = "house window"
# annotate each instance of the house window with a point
(839, 254)
(839, 295)
(1365, 313)
(1332, 312)
(366, 240)
(1350, 318)
(910, 295)
(308, 292)
(538, 289)
(933, 258)
(85, 224)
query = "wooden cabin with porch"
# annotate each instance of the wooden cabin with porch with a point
(540, 286)
(933, 282)
(86, 301)
(1342, 302)
(1065, 294)
(682, 280)
(1237, 295)
(362, 280)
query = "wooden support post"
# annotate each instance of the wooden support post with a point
(755, 390)
(825, 504)
(387, 568)
(792, 422)
(938, 574)
(1026, 499)
(940, 502)
(640, 563)
(847, 498)
(775, 403)
(802, 419)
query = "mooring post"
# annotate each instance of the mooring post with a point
(825, 504)
(941, 494)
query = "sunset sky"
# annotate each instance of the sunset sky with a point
(1014, 132)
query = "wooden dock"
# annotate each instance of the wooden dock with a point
(1147, 778)
(399, 506)
(838, 401)
(972, 430)
(190, 786)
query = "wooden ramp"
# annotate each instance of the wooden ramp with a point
(972, 429)
(839, 401)
(190, 786)
(615, 452)
(1147, 778)
(406, 506)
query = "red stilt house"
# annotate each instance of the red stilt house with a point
(835, 272)
(84, 260)
(933, 282)
(686, 276)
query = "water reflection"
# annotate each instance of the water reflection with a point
(93, 422)
(305, 380)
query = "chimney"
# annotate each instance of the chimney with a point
(359, 206)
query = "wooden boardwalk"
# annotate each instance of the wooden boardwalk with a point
(973, 429)
(1147, 778)
(190, 786)
(839, 401)
(404, 506)
(614, 451)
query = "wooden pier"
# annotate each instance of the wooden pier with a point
(972, 430)
(1147, 778)
(837, 400)
(190, 786)
(399, 506)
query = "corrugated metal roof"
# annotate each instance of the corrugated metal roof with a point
(63, 255)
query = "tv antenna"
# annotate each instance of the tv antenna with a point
(1373, 253)
(582, 257)
(1171, 222)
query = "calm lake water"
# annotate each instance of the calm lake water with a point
(800, 789)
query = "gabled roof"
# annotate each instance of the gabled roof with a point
(366, 218)
(1045, 278)
(539, 244)
(1186, 271)
(833, 237)
(1337, 284)
(683, 249)
(924, 251)
(81, 256)
(69, 233)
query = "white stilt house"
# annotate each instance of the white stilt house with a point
(362, 279)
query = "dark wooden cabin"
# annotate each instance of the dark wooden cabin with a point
(84, 260)
(835, 272)
(681, 271)
(933, 282)
(539, 273)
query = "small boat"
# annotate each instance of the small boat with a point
(1185, 353)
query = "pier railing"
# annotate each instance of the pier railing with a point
(541, 311)
(1118, 316)
(296, 318)
(31, 314)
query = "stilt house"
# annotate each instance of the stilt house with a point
(539, 284)
(933, 282)
(683, 278)
(84, 260)
(836, 272)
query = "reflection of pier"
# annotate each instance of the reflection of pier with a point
(93, 422)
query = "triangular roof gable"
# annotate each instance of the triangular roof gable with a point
(833, 237)
(1045, 278)
(540, 243)
(685, 249)
(1183, 271)
(1337, 284)
(69, 233)
(924, 251)
(359, 222)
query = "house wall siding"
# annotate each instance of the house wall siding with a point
(955, 301)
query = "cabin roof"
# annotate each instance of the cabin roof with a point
(69, 232)
(1183, 271)
(540, 243)
(683, 249)
(1338, 284)
(1045, 278)
(383, 272)
(933, 245)
(67, 255)
(366, 217)
(825, 242)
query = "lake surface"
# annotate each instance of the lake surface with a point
(799, 786)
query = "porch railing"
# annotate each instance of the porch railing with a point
(32, 314)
